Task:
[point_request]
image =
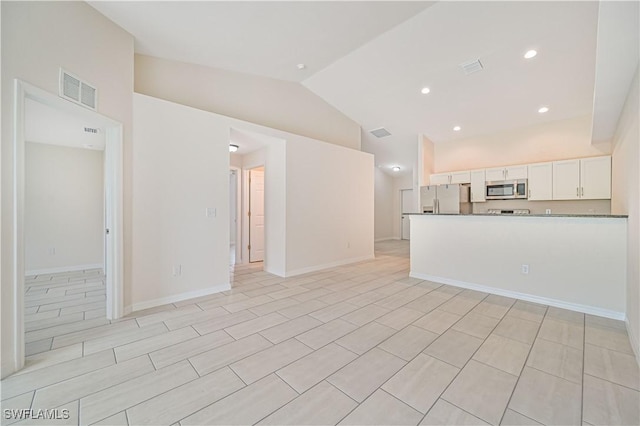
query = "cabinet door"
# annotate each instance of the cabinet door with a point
(460, 177)
(478, 186)
(540, 181)
(495, 174)
(516, 172)
(439, 179)
(595, 178)
(566, 180)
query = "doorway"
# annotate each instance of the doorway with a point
(256, 215)
(406, 206)
(113, 217)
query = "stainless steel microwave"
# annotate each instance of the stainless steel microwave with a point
(506, 189)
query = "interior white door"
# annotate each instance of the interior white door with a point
(256, 215)
(407, 207)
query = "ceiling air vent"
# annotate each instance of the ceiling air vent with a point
(77, 90)
(380, 133)
(470, 67)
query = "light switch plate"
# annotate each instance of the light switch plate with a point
(211, 212)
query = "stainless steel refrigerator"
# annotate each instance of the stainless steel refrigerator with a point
(445, 199)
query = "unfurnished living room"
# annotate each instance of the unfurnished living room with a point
(320, 213)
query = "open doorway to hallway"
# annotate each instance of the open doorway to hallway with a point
(67, 221)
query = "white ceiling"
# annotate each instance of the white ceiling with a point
(256, 37)
(370, 59)
(51, 126)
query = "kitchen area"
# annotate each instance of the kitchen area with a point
(541, 232)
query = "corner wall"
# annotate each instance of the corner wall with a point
(625, 199)
(37, 39)
(278, 104)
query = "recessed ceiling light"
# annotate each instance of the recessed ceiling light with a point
(425, 90)
(543, 109)
(457, 128)
(233, 147)
(301, 66)
(396, 168)
(530, 54)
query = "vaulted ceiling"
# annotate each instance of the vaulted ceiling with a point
(371, 59)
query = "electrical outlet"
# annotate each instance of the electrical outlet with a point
(548, 211)
(52, 251)
(177, 270)
(525, 269)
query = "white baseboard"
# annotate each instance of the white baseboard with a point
(633, 339)
(176, 298)
(63, 269)
(586, 309)
(327, 265)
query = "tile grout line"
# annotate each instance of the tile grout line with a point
(546, 311)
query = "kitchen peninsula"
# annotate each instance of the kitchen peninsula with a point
(576, 262)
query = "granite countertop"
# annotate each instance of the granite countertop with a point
(606, 216)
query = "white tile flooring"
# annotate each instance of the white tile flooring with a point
(357, 344)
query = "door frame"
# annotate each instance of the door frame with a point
(113, 185)
(238, 170)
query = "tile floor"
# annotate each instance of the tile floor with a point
(357, 344)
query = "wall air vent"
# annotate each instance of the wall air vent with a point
(470, 67)
(77, 90)
(380, 132)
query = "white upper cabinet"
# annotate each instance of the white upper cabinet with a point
(461, 177)
(540, 181)
(478, 186)
(451, 177)
(494, 174)
(566, 180)
(506, 173)
(516, 172)
(595, 178)
(587, 179)
(439, 179)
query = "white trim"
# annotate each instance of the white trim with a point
(177, 297)
(327, 265)
(379, 240)
(592, 310)
(633, 338)
(114, 189)
(63, 269)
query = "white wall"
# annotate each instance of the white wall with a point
(330, 205)
(384, 196)
(576, 263)
(180, 168)
(556, 140)
(278, 104)
(37, 39)
(64, 208)
(625, 199)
